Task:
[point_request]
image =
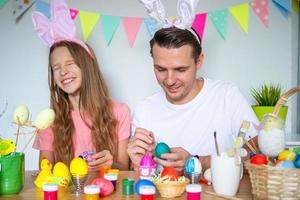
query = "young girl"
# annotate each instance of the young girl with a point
(86, 117)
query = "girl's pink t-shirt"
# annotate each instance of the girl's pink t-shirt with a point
(82, 138)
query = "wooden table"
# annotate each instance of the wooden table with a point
(30, 191)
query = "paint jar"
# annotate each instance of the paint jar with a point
(50, 191)
(193, 192)
(147, 192)
(112, 178)
(91, 192)
(127, 186)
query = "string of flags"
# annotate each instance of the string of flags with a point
(132, 25)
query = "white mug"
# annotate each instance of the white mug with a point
(225, 174)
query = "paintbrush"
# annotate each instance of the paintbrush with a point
(216, 143)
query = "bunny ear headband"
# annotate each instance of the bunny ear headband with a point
(185, 9)
(60, 27)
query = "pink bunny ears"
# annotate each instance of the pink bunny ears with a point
(60, 27)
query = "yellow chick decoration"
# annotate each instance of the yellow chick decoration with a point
(61, 175)
(79, 167)
(6, 147)
(45, 175)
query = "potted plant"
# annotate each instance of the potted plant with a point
(266, 97)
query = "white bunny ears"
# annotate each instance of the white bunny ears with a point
(60, 27)
(185, 9)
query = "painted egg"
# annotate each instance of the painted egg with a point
(170, 172)
(44, 119)
(161, 148)
(259, 159)
(207, 174)
(21, 115)
(285, 164)
(106, 187)
(193, 165)
(78, 166)
(297, 161)
(60, 169)
(287, 155)
(140, 183)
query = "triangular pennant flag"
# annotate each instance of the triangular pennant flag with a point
(2, 3)
(295, 6)
(110, 25)
(73, 13)
(43, 7)
(261, 9)
(281, 9)
(88, 20)
(220, 18)
(131, 26)
(241, 15)
(151, 26)
(286, 4)
(199, 24)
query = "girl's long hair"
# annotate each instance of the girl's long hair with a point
(95, 106)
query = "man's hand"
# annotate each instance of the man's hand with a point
(102, 158)
(141, 143)
(177, 158)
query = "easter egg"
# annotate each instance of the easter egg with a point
(297, 161)
(193, 165)
(78, 166)
(21, 115)
(106, 187)
(286, 155)
(140, 183)
(44, 119)
(161, 148)
(207, 174)
(285, 164)
(259, 159)
(60, 169)
(170, 172)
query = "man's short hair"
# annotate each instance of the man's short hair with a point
(175, 38)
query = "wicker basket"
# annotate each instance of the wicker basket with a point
(171, 190)
(275, 182)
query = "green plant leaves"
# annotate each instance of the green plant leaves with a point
(266, 95)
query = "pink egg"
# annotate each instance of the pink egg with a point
(106, 187)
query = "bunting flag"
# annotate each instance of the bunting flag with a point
(295, 6)
(110, 25)
(2, 3)
(151, 26)
(219, 19)
(281, 9)
(241, 15)
(131, 26)
(261, 9)
(43, 7)
(199, 24)
(88, 21)
(73, 13)
(286, 4)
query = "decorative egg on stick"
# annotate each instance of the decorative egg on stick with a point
(21, 116)
(147, 167)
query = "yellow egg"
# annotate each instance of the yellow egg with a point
(44, 119)
(60, 169)
(286, 155)
(78, 166)
(21, 115)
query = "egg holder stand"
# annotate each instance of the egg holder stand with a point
(275, 182)
(78, 183)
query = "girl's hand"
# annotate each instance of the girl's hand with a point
(102, 158)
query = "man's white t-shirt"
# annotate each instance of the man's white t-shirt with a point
(219, 107)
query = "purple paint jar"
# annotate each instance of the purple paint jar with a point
(50, 191)
(193, 192)
(112, 178)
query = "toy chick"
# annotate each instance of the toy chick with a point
(6, 147)
(45, 175)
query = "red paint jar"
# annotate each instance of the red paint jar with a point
(50, 191)
(147, 192)
(193, 192)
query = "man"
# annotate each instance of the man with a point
(187, 112)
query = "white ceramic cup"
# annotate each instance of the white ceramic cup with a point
(225, 174)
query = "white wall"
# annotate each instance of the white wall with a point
(262, 55)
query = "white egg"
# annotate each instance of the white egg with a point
(44, 119)
(207, 174)
(21, 115)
